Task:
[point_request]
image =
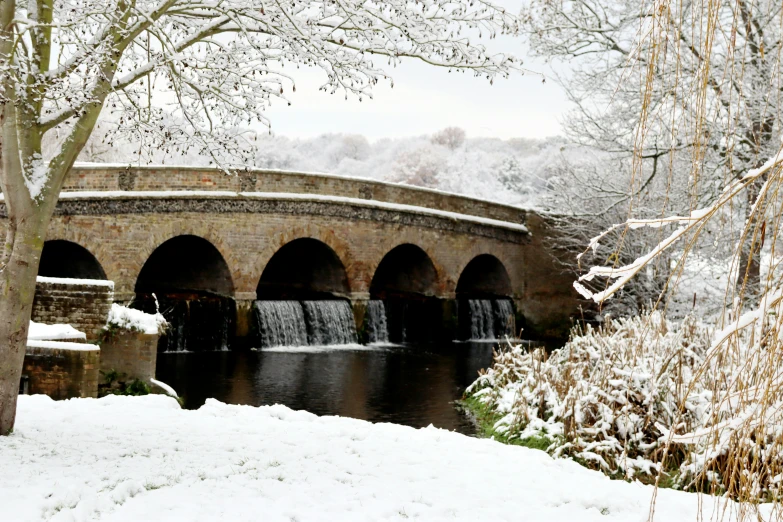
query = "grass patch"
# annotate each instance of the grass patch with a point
(485, 419)
(115, 383)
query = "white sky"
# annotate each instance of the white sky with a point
(426, 99)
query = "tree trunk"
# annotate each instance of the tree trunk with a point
(17, 289)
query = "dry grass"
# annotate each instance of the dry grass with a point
(647, 399)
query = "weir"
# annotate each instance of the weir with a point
(487, 319)
(376, 325)
(304, 323)
(196, 322)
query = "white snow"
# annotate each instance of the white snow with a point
(132, 194)
(165, 387)
(399, 207)
(53, 332)
(71, 281)
(62, 345)
(143, 458)
(36, 174)
(130, 319)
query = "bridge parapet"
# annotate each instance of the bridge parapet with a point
(162, 178)
(121, 217)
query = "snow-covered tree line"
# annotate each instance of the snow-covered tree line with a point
(510, 171)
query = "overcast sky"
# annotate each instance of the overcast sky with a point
(425, 99)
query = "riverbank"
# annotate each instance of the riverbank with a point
(144, 458)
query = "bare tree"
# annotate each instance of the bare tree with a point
(738, 110)
(451, 137)
(419, 167)
(64, 62)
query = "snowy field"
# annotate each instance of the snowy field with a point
(143, 458)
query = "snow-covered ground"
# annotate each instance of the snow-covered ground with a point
(143, 458)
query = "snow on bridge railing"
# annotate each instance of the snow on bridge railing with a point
(115, 176)
(219, 194)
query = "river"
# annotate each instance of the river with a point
(413, 384)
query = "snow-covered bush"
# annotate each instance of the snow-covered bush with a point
(122, 317)
(642, 398)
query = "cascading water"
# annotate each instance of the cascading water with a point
(490, 318)
(196, 322)
(281, 323)
(376, 325)
(329, 322)
(313, 323)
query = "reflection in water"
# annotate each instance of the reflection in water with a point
(412, 385)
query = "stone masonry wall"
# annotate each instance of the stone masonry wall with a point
(83, 306)
(131, 353)
(122, 233)
(179, 178)
(62, 373)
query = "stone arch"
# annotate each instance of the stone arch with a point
(187, 264)
(484, 276)
(406, 271)
(484, 291)
(62, 258)
(304, 268)
(143, 248)
(406, 280)
(193, 289)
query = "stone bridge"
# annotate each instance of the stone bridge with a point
(269, 234)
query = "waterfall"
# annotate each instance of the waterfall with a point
(329, 322)
(281, 323)
(313, 323)
(490, 318)
(375, 322)
(197, 322)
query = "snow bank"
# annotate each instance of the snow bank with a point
(71, 281)
(143, 458)
(130, 319)
(53, 332)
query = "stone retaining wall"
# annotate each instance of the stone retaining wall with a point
(85, 306)
(62, 370)
(133, 354)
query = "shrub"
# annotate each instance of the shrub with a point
(643, 398)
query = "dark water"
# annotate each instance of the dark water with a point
(414, 385)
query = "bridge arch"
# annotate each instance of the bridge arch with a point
(304, 268)
(484, 294)
(193, 289)
(406, 271)
(61, 258)
(485, 276)
(185, 264)
(407, 282)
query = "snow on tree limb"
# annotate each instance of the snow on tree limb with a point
(690, 223)
(186, 73)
